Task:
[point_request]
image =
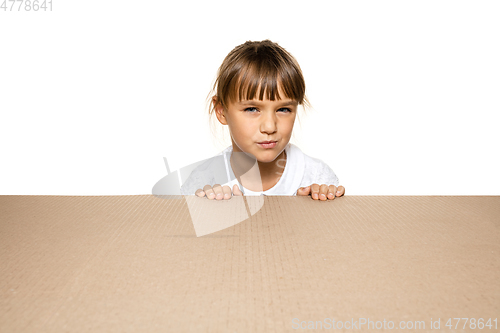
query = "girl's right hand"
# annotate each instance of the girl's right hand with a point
(218, 192)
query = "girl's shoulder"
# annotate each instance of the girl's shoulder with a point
(308, 160)
(210, 163)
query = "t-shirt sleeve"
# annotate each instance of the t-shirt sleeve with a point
(327, 176)
(196, 180)
(318, 172)
(209, 172)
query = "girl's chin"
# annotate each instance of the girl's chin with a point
(267, 157)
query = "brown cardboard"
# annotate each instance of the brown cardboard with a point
(135, 264)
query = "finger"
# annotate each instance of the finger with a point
(304, 190)
(199, 192)
(218, 192)
(209, 192)
(236, 190)
(315, 191)
(323, 191)
(340, 191)
(227, 192)
(331, 192)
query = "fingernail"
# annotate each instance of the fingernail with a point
(323, 195)
(330, 195)
(211, 195)
(315, 195)
(338, 192)
(219, 195)
(227, 195)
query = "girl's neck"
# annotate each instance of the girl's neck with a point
(267, 175)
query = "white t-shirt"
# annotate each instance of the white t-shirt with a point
(301, 170)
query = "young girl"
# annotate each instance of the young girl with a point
(256, 94)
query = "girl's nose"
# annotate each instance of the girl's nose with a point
(268, 124)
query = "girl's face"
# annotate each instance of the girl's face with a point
(253, 121)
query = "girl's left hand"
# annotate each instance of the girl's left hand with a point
(322, 192)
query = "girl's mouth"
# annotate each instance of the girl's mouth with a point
(267, 144)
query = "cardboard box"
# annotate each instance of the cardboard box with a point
(136, 264)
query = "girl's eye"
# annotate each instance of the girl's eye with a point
(252, 108)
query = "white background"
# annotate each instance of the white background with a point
(405, 94)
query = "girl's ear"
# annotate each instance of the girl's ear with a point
(219, 111)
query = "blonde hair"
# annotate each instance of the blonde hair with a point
(252, 65)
